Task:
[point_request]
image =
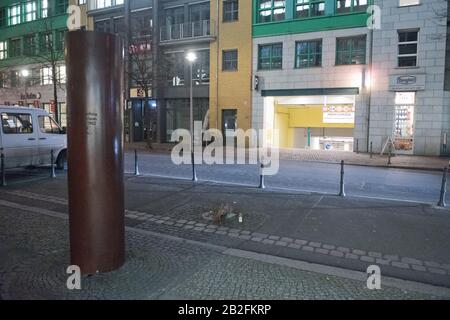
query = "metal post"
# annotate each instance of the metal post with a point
(95, 77)
(136, 164)
(261, 178)
(191, 112)
(441, 202)
(341, 183)
(52, 164)
(357, 146)
(389, 154)
(371, 150)
(3, 168)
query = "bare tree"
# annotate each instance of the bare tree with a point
(47, 51)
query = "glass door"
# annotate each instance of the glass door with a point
(404, 122)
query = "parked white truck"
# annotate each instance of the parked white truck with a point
(27, 137)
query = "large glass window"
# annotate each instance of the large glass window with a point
(30, 11)
(44, 8)
(407, 48)
(270, 56)
(271, 10)
(404, 121)
(29, 45)
(175, 65)
(229, 60)
(14, 15)
(308, 54)
(200, 68)
(351, 50)
(3, 17)
(309, 8)
(46, 76)
(230, 10)
(14, 123)
(345, 6)
(3, 50)
(14, 48)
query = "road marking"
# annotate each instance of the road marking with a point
(296, 264)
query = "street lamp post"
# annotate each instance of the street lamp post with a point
(24, 74)
(191, 57)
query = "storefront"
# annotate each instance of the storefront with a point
(314, 122)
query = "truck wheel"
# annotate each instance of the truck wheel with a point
(61, 161)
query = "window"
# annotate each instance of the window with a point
(61, 6)
(44, 9)
(81, 2)
(271, 10)
(3, 50)
(46, 76)
(14, 48)
(103, 25)
(14, 78)
(46, 42)
(60, 37)
(229, 60)
(61, 74)
(308, 54)
(3, 17)
(270, 56)
(404, 3)
(17, 123)
(309, 8)
(407, 48)
(351, 50)
(29, 45)
(175, 68)
(345, 6)
(200, 68)
(48, 125)
(230, 10)
(30, 11)
(14, 15)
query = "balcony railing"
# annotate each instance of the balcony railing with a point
(188, 30)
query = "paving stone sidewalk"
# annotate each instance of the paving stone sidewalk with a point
(407, 240)
(34, 256)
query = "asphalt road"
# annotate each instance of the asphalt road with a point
(389, 183)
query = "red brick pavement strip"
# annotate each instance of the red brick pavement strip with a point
(274, 240)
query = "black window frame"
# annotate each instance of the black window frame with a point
(230, 65)
(230, 14)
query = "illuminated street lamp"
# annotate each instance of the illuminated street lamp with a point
(191, 57)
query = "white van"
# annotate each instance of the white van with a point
(27, 137)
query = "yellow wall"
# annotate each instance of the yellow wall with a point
(308, 116)
(231, 89)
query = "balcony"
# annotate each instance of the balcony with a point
(188, 32)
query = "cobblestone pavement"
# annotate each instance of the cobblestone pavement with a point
(33, 251)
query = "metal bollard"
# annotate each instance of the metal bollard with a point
(341, 183)
(389, 155)
(3, 168)
(52, 163)
(194, 172)
(441, 202)
(357, 146)
(261, 178)
(136, 164)
(371, 150)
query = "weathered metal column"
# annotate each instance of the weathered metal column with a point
(95, 150)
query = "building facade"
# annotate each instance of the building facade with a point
(231, 66)
(32, 68)
(328, 81)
